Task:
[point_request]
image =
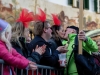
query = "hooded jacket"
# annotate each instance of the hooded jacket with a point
(89, 46)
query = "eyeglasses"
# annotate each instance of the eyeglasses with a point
(48, 27)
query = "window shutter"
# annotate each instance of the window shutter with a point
(70, 2)
(86, 4)
(95, 5)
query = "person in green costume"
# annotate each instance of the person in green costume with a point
(88, 44)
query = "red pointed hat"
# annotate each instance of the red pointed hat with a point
(56, 20)
(41, 16)
(25, 17)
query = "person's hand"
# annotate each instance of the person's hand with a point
(81, 36)
(62, 49)
(66, 46)
(32, 65)
(60, 62)
(41, 50)
(66, 62)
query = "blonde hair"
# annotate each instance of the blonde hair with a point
(4, 38)
(17, 31)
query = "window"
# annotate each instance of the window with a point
(76, 3)
(91, 5)
(98, 6)
(85, 4)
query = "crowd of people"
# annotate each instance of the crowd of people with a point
(49, 41)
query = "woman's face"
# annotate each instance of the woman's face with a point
(9, 34)
(61, 32)
(26, 34)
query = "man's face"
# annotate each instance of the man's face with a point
(68, 31)
(48, 31)
(98, 43)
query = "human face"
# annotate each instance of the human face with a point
(9, 35)
(26, 34)
(98, 43)
(68, 31)
(48, 31)
(61, 32)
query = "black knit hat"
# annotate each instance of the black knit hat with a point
(74, 27)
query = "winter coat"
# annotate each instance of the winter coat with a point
(55, 43)
(25, 51)
(12, 59)
(89, 46)
(50, 57)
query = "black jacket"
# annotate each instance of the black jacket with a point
(24, 51)
(55, 43)
(50, 57)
